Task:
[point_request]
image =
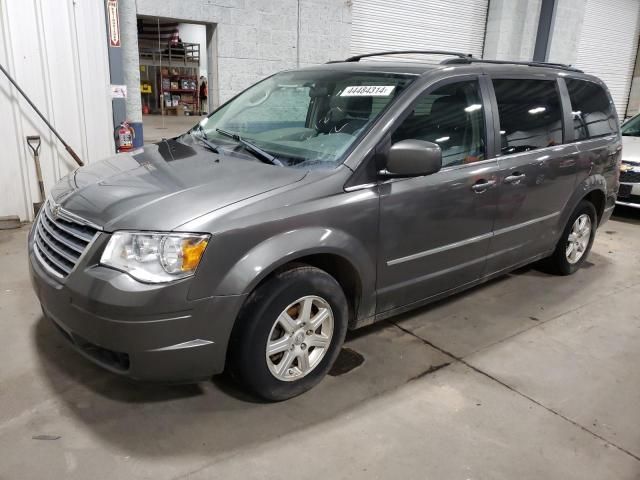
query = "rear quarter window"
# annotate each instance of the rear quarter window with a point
(593, 113)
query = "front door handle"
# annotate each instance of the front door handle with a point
(483, 185)
(515, 178)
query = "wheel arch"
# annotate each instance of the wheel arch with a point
(598, 198)
(339, 268)
(593, 189)
(336, 252)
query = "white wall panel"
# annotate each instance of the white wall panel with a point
(56, 51)
(608, 44)
(379, 25)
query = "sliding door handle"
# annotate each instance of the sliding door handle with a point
(482, 186)
(515, 178)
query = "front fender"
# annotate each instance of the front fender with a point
(289, 246)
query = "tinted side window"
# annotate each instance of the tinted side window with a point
(593, 114)
(452, 117)
(530, 114)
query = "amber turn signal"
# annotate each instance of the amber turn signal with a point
(191, 253)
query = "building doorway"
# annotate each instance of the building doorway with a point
(174, 59)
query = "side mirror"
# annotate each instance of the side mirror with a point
(412, 158)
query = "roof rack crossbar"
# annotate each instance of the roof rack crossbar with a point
(356, 58)
(561, 66)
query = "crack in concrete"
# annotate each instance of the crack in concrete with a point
(431, 369)
(513, 389)
(425, 341)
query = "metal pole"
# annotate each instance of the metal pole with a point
(131, 67)
(116, 70)
(545, 23)
(73, 154)
(162, 99)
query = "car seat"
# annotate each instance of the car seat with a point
(346, 115)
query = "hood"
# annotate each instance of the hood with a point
(164, 185)
(631, 149)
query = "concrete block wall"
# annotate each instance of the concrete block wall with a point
(512, 26)
(325, 30)
(256, 38)
(565, 31)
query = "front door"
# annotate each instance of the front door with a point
(435, 230)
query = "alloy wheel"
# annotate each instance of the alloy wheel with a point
(578, 240)
(299, 338)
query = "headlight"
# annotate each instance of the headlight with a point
(155, 257)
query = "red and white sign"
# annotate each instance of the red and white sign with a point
(114, 23)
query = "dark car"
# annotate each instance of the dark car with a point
(321, 200)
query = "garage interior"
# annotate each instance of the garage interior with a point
(174, 75)
(529, 376)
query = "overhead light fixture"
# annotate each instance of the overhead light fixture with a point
(442, 139)
(473, 108)
(502, 132)
(536, 110)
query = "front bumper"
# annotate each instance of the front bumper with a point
(629, 195)
(146, 332)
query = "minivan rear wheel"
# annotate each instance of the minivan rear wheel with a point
(289, 333)
(576, 240)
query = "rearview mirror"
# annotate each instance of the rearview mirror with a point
(412, 158)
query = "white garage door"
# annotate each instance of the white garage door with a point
(608, 44)
(379, 25)
(57, 52)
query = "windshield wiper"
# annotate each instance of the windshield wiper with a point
(204, 139)
(210, 145)
(257, 151)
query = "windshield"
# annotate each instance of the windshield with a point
(632, 127)
(305, 118)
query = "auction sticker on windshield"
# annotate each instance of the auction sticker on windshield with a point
(368, 91)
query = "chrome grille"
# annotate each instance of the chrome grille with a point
(630, 177)
(59, 241)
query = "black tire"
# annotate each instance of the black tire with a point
(558, 263)
(247, 348)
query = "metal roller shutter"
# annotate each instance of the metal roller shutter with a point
(379, 25)
(608, 44)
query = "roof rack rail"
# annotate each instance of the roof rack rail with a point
(356, 58)
(561, 66)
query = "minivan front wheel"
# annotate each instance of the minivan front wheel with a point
(289, 333)
(576, 240)
(300, 338)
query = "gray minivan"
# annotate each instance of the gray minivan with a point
(321, 200)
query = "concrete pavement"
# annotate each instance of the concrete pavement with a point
(157, 127)
(530, 376)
